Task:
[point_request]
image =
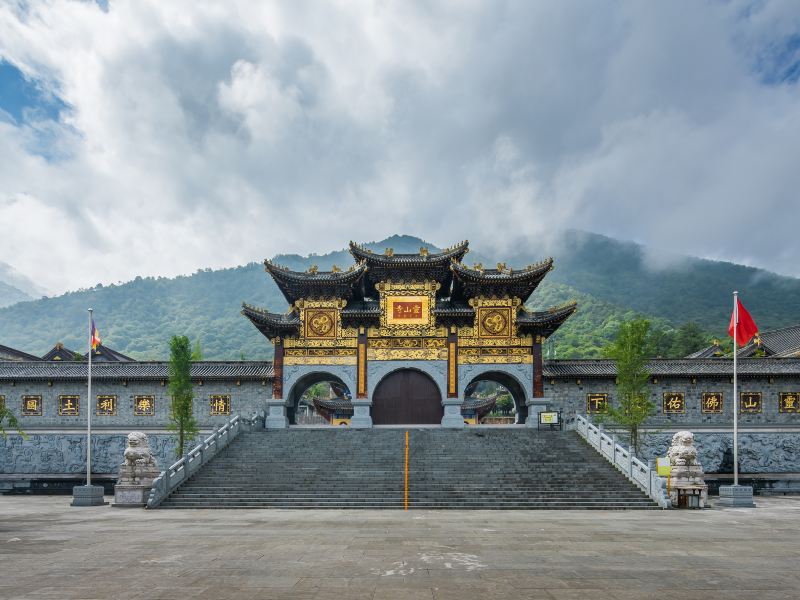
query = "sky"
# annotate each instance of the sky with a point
(156, 138)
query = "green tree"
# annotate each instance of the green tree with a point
(181, 418)
(689, 338)
(197, 351)
(7, 417)
(629, 352)
(504, 404)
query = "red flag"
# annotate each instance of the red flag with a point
(746, 328)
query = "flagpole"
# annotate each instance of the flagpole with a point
(89, 410)
(735, 394)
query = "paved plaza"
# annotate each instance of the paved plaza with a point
(50, 550)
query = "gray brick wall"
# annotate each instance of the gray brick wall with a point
(570, 397)
(246, 399)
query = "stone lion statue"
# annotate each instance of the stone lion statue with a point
(138, 453)
(682, 452)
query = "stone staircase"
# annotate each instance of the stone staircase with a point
(480, 468)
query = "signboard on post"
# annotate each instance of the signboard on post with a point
(550, 418)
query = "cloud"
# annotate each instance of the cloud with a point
(195, 134)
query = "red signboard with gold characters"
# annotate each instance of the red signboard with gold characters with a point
(402, 309)
(407, 310)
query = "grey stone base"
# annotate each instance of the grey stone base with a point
(361, 418)
(736, 495)
(131, 495)
(535, 406)
(452, 418)
(87, 495)
(276, 415)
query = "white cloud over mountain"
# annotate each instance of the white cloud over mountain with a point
(203, 134)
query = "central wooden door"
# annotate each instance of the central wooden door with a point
(407, 397)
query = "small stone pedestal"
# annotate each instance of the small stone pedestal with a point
(452, 418)
(136, 474)
(736, 495)
(361, 418)
(87, 495)
(276, 415)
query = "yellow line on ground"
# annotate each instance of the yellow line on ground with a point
(405, 495)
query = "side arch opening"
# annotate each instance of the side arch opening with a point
(494, 397)
(319, 398)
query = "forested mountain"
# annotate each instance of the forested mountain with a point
(10, 295)
(609, 279)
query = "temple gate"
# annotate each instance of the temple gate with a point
(406, 338)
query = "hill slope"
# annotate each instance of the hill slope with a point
(609, 279)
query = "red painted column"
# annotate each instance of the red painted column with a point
(538, 383)
(277, 366)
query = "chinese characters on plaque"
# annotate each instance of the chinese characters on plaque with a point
(789, 402)
(406, 310)
(106, 406)
(596, 403)
(144, 406)
(750, 403)
(674, 403)
(68, 406)
(711, 403)
(221, 405)
(32, 406)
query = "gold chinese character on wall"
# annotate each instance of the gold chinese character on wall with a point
(674, 403)
(68, 406)
(106, 406)
(596, 403)
(711, 403)
(789, 402)
(144, 406)
(750, 403)
(2, 402)
(220, 404)
(32, 406)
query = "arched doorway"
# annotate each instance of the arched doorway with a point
(498, 383)
(300, 409)
(407, 397)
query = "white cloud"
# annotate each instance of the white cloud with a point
(210, 134)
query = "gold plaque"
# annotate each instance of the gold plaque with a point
(674, 403)
(789, 402)
(750, 403)
(596, 403)
(106, 406)
(220, 404)
(408, 310)
(494, 322)
(31, 406)
(320, 323)
(68, 406)
(711, 403)
(144, 406)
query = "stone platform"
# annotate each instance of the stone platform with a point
(56, 552)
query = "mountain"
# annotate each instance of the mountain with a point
(15, 287)
(611, 280)
(10, 295)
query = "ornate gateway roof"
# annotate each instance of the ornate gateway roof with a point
(498, 282)
(384, 289)
(314, 283)
(423, 266)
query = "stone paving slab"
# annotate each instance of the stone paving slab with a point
(51, 550)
